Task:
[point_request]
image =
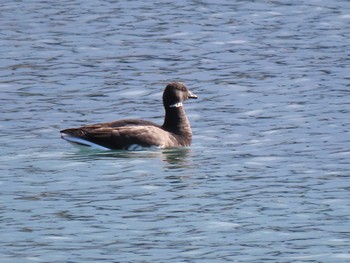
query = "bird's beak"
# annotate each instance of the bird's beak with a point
(191, 95)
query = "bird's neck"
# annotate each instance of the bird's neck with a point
(176, 120)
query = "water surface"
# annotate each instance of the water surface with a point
(267, 176)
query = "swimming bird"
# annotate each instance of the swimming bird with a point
(134, 134)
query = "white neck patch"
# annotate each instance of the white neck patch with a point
(176, 105)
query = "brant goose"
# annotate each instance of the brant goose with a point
(131, 134)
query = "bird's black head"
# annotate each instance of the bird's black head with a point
(175, 93)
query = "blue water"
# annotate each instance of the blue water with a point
(267, 176)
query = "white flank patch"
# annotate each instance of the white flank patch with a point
(80, 143)
(135, 147)
(84, 144)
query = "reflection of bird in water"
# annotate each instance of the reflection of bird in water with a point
(177, 157)
(173, 158)
(130, 134)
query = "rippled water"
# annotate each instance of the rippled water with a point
(267, 176)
